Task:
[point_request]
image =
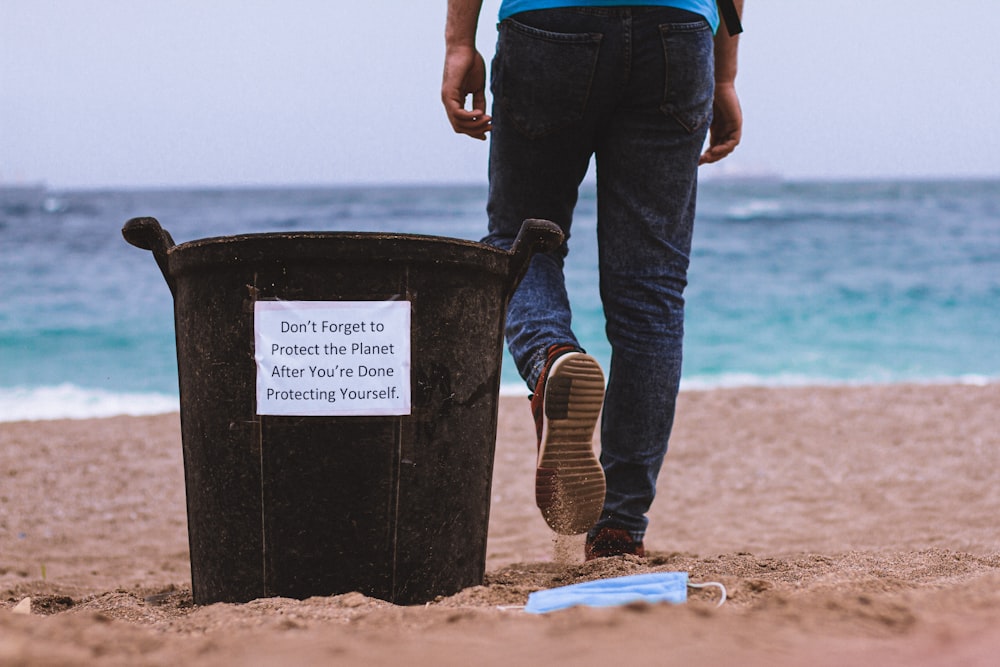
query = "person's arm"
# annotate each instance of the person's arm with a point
(727, 121)
(464, 70)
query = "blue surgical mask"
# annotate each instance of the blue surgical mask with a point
(654, 587)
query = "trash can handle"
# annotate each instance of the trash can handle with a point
(535, 236)
(147, 234)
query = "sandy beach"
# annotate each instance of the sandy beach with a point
(850, 525)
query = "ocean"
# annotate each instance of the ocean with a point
(790, 283)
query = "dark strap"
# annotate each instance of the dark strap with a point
(730, 16)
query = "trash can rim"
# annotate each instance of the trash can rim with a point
(334, 235)
(299, 246)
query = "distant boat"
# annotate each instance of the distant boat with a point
(21, 197)
(22, 188)
(729, 173)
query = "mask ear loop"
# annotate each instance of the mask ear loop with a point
(722, 590)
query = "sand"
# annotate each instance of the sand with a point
(850, 526)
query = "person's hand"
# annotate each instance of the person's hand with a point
(464, 75)
(727, 124)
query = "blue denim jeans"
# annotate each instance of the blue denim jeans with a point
(632, 87)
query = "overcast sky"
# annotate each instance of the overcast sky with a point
(103, 93)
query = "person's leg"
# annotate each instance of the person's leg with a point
(544, 116)
(647, 177)
(540, 149)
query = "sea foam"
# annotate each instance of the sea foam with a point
(68, 401)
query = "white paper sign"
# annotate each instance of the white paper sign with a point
(332, 358)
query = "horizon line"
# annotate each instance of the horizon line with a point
(707, 180)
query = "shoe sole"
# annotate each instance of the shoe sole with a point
(569, 480)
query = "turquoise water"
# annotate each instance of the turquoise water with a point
(790, 283)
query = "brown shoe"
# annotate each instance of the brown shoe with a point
(569, 480)
(611, 542)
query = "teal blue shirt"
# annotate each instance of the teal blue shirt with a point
(706, 8)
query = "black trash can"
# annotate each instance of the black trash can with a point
(298, 490)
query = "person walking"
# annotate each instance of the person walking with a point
(637, 86)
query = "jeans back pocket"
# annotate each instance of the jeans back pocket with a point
(689, 88)
(541, 79)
